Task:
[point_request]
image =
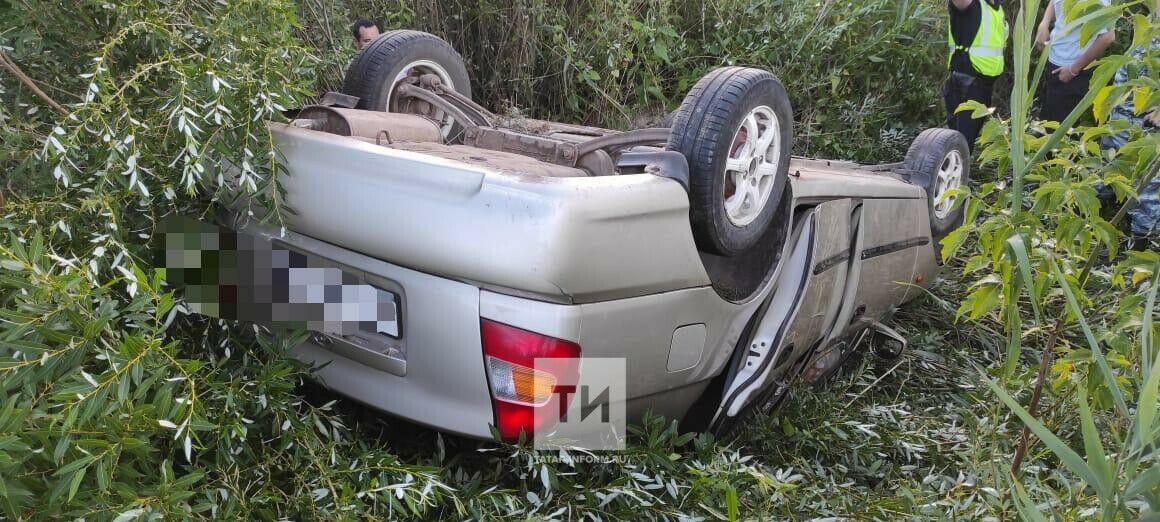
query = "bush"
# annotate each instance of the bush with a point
(1036, 242)
(117, 404)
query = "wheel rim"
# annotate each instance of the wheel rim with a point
(399, 104)
(948, 177)
(751, 167)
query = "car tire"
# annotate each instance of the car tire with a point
(939, 160)
(734, 188)
(377, 70)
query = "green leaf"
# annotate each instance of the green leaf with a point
(662, 51)
(73, 466)
(1102, 105)
(1093, 345)
(1098, 21)
(1140, 31)
(1018, 248)
(1094, 448)
(953, 242)
(979, 302)
(731, 503)
(1142, 98)
(1146, 407)
(1069, 457)
(1145, 482)
(1026, 508)
(978, 110)
(1014, 341)
(75, 484)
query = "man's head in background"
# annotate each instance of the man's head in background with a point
(364, 32)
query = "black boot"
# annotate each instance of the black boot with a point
(1140, 242)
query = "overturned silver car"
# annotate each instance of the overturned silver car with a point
(716, 265)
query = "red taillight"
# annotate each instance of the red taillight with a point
(518, 387)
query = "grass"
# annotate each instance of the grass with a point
(888, 439)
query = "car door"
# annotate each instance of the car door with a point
(888, 237)
(801, 309)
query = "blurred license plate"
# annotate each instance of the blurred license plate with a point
(336, 301)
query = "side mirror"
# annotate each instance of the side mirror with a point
(885, 342)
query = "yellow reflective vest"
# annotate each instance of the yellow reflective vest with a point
(986, 51)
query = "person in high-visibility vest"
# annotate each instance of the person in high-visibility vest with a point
(976, 35)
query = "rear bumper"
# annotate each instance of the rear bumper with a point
(443, 383)
(567, 240)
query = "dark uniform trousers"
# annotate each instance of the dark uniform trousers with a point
(958, 88)
(1060, 98)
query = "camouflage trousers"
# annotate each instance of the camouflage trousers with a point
(1144, 216)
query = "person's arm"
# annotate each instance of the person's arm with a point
(1045, 26)
(1091, 54)
(962, 5)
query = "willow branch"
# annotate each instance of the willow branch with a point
(19, 74)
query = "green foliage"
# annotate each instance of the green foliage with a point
(1036, 254)
(118, 404)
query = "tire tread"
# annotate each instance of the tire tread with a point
(922, 160)
(367, 72)
(709, 105)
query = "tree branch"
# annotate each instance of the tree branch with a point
(19, 74)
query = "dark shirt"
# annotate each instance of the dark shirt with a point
(964, 25)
